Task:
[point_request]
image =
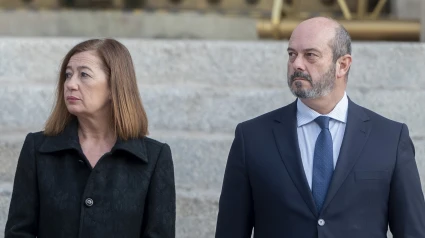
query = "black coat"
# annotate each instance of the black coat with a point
(130, 193)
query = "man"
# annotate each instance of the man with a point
(321, 166)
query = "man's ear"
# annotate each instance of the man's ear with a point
(343, 65)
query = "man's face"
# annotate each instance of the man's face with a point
(311, 70)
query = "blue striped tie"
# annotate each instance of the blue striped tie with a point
(322, 162)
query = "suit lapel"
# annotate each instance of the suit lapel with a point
(285, 134)
(356, 135)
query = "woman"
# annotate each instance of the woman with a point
(93, 172)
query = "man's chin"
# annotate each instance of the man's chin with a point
(302, 93)
(298, 93)
(298, 82)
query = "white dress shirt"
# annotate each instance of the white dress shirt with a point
(308, 131)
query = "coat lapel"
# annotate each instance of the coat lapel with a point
(285, 134)
(356, 135)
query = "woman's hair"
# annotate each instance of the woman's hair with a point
(128, 115)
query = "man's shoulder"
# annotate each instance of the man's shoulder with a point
(268, 117)
(379, 119)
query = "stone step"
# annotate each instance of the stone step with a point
(207, 109)
(194, 209)
(199, 161)
(219, 63)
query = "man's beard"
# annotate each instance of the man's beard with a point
(320, 88)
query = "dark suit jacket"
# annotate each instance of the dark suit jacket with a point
(130, 193)
(375, 183)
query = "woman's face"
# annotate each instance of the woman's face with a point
(86, 87)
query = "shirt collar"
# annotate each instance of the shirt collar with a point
(306, 115)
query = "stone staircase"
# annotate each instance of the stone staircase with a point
(195, 93)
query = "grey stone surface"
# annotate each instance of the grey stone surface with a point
(215, 63)
(4, 208)
(5, 192)
(197, 213)
(9, 154)
(212, 63)
(179, 108)
(383, 65)
(195, 93)
(66, 23)
(209, 109)
(199, 161)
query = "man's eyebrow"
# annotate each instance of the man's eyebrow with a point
(305, 50)
(311, 49)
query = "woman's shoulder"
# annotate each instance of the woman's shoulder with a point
(33, 141)
(154, 143)
(156, 146)
(42, 142)
(36, 137)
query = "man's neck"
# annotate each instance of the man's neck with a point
(324, 105)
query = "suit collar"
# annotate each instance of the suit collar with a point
(69, 140)
(285, 135)
(356, 134)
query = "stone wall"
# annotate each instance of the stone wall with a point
(195, 93)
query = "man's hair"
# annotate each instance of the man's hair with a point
(341, 44)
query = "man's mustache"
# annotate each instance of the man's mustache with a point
(301, 75)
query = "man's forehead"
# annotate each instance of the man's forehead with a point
(309, 40)
(307, 45)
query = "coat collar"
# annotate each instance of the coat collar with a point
(68, 140)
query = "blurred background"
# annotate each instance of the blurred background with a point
(203, 19)
(203, 66)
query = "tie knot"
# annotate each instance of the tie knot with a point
(323, 122)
